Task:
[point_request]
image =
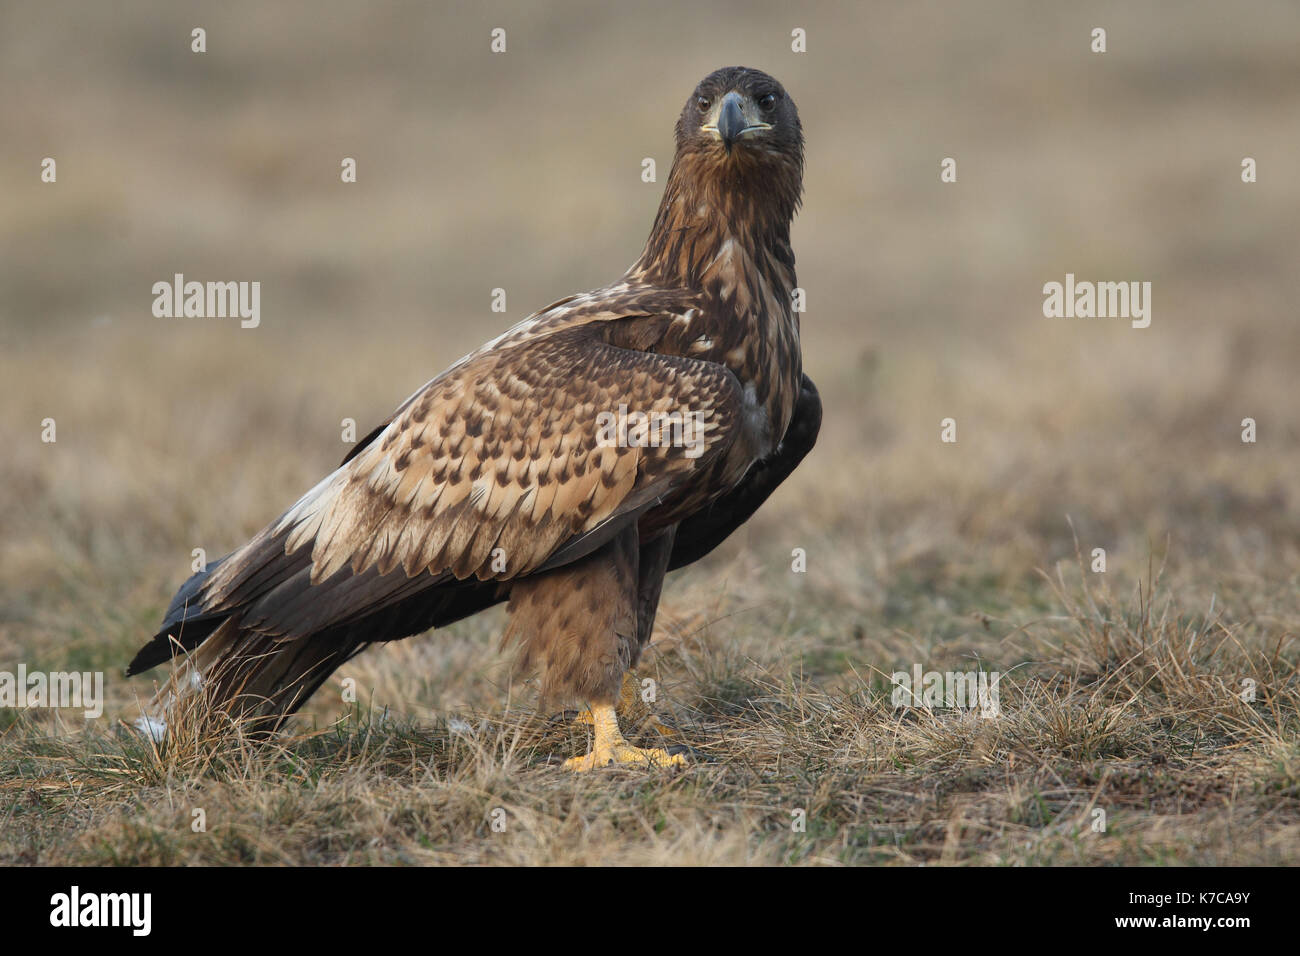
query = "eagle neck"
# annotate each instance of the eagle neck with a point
(700, 214)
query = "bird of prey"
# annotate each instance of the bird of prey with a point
(565, 467)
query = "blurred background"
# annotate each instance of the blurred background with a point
(522, 171)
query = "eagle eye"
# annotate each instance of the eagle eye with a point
(766, 103)
(703, 103)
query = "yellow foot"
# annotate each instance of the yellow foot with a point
(621, 754)
(631, 708)
(611, 748)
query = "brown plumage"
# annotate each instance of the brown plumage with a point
(501, 479)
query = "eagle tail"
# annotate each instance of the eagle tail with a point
(234, 676)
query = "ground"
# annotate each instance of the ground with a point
(1161, 691)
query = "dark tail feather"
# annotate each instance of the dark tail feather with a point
(242, 673)
(184, 626)
(249, 676)
(242, 670)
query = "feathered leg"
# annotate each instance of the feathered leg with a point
(652, 566)
(579, 625)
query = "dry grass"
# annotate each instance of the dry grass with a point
(1134, 710)
(1122, 690)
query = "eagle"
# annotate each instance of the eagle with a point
(565, 467)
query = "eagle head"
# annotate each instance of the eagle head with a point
(740, 146)
(738, 174)
(740, 116)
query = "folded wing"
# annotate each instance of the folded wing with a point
(494, 470)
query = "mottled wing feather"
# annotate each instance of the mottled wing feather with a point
(501, 451)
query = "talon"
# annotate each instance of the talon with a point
(610, 747)
(663, 730)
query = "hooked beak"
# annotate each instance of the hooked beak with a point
(731, 119)
(730, 122)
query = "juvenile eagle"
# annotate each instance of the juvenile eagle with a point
(502, 478)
